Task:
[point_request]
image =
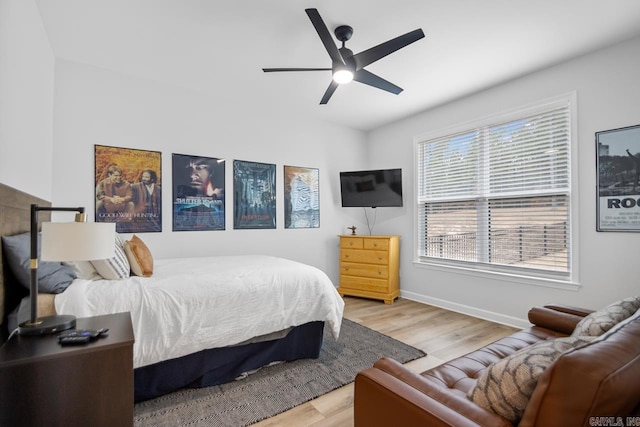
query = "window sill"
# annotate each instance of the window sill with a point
(499, 275)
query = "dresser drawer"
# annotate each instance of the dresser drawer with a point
(364, 283)
(351, 242)
(364, 270)
(364, 256)
(381, 244)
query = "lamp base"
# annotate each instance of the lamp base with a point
(47, 325)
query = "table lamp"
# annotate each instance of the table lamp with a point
(70, 241)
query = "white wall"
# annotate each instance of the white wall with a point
(608, 93)
(96, 106)
(26, 99)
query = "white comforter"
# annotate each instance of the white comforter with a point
(191, 304)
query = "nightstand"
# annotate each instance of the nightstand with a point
(43, 383)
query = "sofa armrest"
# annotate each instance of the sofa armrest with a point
(557, 318)
(390, 394)
(578, 311)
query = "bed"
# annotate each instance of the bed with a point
(197, 321)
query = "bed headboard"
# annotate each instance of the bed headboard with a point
(15, 218)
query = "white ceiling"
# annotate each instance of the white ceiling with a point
(221, 46)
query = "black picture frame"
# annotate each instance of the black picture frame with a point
(618, 179)
(301, 197)
(128, 203)
(198, 193)
(254, 195)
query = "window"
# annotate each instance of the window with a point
(497, 196)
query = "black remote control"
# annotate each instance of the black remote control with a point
(79, 333)
(71, 340)
(89, 333)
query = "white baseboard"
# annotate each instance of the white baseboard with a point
(468, 310)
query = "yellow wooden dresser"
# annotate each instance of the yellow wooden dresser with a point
(369, 267)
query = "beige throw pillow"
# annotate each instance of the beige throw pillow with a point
(139, 257)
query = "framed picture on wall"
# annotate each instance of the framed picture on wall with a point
(301, 197)
(198, 193)
(254, 195)
(128, 188)
(618, 183)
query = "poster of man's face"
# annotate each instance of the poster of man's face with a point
(198, 193)
(128, 188)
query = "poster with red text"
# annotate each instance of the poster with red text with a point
(128, 189)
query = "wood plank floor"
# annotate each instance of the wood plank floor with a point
(440, 333)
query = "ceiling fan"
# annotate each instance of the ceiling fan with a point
(345, 66)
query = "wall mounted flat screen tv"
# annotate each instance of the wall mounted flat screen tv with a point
(371, 188)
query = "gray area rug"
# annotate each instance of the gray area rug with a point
(276, 388)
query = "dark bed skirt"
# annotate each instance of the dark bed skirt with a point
(221, 365)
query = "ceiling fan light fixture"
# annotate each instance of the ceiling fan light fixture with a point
(342, 76)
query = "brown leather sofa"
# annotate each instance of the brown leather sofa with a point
(583, 386)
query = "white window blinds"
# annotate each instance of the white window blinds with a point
(499, 195)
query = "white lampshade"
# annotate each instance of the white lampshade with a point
(77, 241)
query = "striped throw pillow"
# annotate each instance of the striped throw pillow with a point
(114, 268)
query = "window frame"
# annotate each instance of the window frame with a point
(567, 280)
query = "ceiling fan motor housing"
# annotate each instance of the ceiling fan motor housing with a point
(347, 56)
(343, 33)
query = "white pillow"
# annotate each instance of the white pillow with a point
(114, 268)
(83, 269)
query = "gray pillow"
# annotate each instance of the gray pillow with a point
(506, 386)
(599, 322)
(53, 277)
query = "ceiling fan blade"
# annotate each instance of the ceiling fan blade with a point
(325, 36)
(274, 70)
(364, 76)
(327, 94)
(368, 56)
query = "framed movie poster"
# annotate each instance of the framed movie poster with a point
(254, 195)
(618, 189)
(301, 197)
(128, 188)
(198, 193)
